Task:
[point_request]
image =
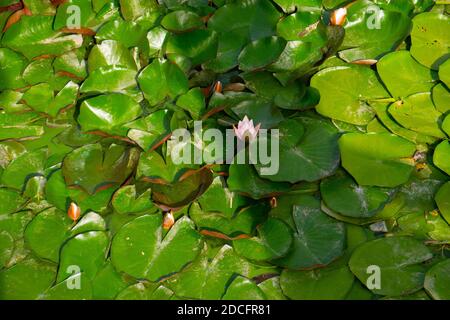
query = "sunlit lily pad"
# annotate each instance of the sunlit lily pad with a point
(377, 159)
(429, 40)
(347, 93)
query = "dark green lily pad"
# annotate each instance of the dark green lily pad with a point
(309, 248)
(91, 167)
(273, 241)
(437, 281)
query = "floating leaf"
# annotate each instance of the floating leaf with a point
(429, 40)
(309, 248)
(162, 79)
(437, 280)
(141, 250)
(92, 167)
(108, 113)
(398, 68)
(330, 283)
(273, 241)
(399, 261)
(377, 159)
(341, 194)
(346, 93)
(308, 142)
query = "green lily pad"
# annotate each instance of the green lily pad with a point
(198, 45)
(398, 68)
(430, 42)
(91, 167)
(440, 156)
(399, 260)
(34, 36)
(444, 73)
(417, 113)
(162, 79)
(110, 53)
(109, 79)
(129, 33)
(443, 201)
(126, 200)
(311, 144)
(273, 241)
(330, 283)
(243, 289)
(377, 159)
(309, 248)
(148, 132)
(141, 250)
(145, 291)
(261, 53)
(108, 283)
(347, 93)
(181, 20)
(372, 30)
(243, 178)
(86, 251)
(12, 64)
(208, 278)
(12, 201)
(292, 5)
(37, 71)
(227, 212)
(341, 194)
(437, 280)
(47, 232)
(107, 113)
(26, 280)
(259, 17)
(24, 166)
(63, 290)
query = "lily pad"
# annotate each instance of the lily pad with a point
(91, 167)
(429, 41)
(107, 113)
(331, 283)
(142, 250)
(341, 194)
(347, 93)
(437, 280)
(440, 157)
(443, 201)
(87, 251)
(399, 261)
(309, 248)
(377, 159)
(311, 144)
(417, 113)
(399, 67)
(162, 79)
(261, 53)
(264, 247)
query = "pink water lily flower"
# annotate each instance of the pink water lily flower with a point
(246, 129)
